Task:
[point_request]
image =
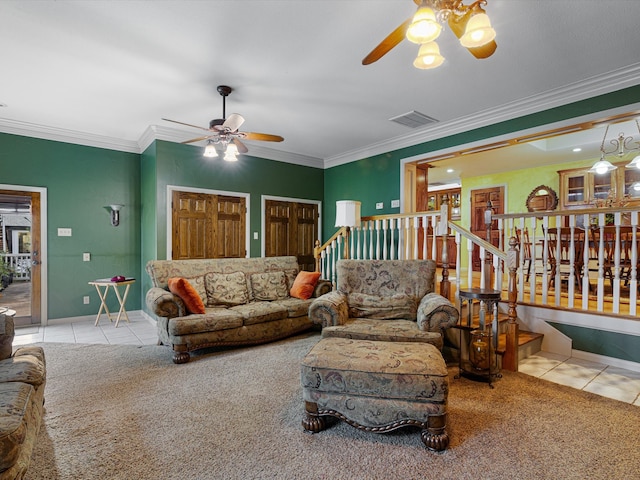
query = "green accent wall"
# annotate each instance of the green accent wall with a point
(80, 181)
(609, 344)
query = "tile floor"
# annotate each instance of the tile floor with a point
(605, 380)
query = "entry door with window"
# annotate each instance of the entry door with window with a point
(291, 228)
(479, 199)
(208, 226)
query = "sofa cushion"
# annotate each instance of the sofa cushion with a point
(181, 287)
(226, 288)
(295, 306)
(383, 331)
(304, 285)
(260, 312)
(269, 286)
(15, 398)
(23, 368)
(398, 306)
(214, 319)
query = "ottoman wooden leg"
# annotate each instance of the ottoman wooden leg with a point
(434, 436)
(312, 422)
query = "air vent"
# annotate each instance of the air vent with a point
(413, 119)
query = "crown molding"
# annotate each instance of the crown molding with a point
(591, 87)
(34, 130)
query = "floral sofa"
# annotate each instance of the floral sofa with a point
(244, 301)
(385, 300)
(22, 383)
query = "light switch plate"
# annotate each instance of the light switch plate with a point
(86, 257)
(86, 299)
(395, 203)
(64, 232)
(379, 205)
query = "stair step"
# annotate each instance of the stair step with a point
(524, 338)
(475, 321)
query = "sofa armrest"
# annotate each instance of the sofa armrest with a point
(164, 303)
(329, 309)
(6, 336)
(436, 313)
(322, 287)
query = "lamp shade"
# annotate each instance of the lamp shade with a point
(347, 213)
(602, 166)
(635, 163)
(424, 28)
(428, 56)
(210, 150)
(478, 31)
(231, 154)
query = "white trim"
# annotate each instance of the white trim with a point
(172, 188)
(44, 290)
(615, 362)
(263, 226)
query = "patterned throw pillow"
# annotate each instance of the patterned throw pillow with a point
(304, 285)
(183, 289)
(269, 286)
(226, 288)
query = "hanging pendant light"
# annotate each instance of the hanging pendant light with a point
(602, 166)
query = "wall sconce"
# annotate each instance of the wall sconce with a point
(115, 213)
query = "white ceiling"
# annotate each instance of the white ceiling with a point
(105, 72)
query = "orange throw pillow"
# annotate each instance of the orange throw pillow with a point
(182, 288)
(304, 285)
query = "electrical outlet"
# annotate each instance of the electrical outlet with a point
(64, 232)
(395, 203)
(255, 235)
(86, 299)
(379, 205)
(86, 257)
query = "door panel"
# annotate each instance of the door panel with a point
(291, 228)
(208, 226)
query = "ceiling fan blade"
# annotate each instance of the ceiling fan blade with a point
(197, 139)
(233, 122)
(242, 148)
(264, 137)
(393, 39)
(187, 124)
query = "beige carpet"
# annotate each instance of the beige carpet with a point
(127, 412)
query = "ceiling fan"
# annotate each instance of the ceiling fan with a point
(223, 137)
(469, 23)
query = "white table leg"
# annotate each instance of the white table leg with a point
(122, 301)
(103, 304)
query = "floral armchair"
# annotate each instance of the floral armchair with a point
(385, 300)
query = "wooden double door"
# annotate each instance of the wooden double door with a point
(214, 226)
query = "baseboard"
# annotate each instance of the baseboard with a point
(615, 362)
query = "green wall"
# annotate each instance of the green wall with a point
(80, 181)
(610, 344)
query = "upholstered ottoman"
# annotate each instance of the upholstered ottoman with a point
(377, 387)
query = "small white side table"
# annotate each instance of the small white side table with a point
(106, 283)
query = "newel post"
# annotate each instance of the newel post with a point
(445, 285)
(510, 358)
(488, 220)
(316, 254)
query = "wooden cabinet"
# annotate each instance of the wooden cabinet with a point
(580, 188)
(434, 201)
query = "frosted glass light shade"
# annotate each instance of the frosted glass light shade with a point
(478, 31)
(602, 166)
(347, 213)
(210, 150)
(231, 154)
(424, 28)
(635, 163)
(428, 56)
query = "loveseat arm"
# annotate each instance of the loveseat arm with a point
(329, 309)
(436, 313)
(164, 303)
(322, 287)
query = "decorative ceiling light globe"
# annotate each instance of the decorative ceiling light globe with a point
(601, 167)
(231, 154)
(478, 32)
(635, 163)
(424, 28)
(210, 150)
(428, 56)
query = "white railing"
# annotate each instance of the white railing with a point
(19, 264)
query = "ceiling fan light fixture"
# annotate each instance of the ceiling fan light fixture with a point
(478, 32)
(424, 27)
(231, 153)
(428, 56)
(210, 150)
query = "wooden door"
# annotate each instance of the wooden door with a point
(291, 228)
(30, 313)
(479, 199)
(208, 226)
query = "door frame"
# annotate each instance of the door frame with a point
(172, 188)
(263, 204)
(44, 311)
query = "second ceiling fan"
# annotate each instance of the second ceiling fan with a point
(223, 137)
